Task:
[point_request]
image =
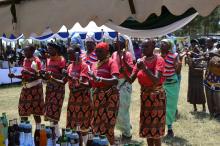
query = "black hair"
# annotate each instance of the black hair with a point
(213, 39)
(55, 46)
(75, 48)
(31, 47)
(112, 49)
(194, 41)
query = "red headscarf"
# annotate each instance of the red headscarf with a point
(103, 46)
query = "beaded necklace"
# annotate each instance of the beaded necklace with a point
(100, 63)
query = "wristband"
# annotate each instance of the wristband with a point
(99, 79)
(146, 68)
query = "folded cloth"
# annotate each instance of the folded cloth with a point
(32, 84)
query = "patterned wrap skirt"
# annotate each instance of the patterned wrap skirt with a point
(79, 110)
(106, 105)
(31, 101)
(54, 100)
(153, 112)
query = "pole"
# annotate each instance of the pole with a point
(102, 35)
(9, 59)
(9, 69)
(1, 48)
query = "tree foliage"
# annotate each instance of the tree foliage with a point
(202, 25)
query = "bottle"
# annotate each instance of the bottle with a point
(53, 135)
(25, 133)
(37, 135)
(28, 134)
(49, 136)
(95, 140)
(68, 134)
(5, 124)
(2, 136)
(21, 132)
(103, 141)
(74, 141)
(43, 136)
(63, 140)
(70, 140)
(78, 131)
(16, 133)
(11, 141)
(90, 137)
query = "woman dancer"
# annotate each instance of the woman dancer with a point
(104, 79)
(149, 71)
(31, 98)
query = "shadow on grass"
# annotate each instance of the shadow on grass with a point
(10, 85)
(217, 118)
(178, 116)
(175, 141)
(200, 115)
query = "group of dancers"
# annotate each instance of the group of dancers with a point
(100, 88)
(204, 76)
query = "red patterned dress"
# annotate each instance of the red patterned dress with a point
(153, 100)
(79, 110)
(54, 91)
(31, 98)
(105, 100)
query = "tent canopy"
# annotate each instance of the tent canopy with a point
(98, 33)
(35, 15)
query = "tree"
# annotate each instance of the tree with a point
(202, 25)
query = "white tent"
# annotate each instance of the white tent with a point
(77, 28)
(36, 15)
(92, 27)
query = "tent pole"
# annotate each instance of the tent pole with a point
(1, 49)
(9, 66)
(102, 35)
(17, 42)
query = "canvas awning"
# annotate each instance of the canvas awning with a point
(35, 15)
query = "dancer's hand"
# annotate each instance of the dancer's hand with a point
(48, 75)
(140, 64)
(11, 75)
(92, 75)
(25, 72)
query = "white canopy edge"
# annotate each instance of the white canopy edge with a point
(91, 27)
(153, 32)
(36, 15)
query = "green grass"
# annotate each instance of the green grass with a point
(190, 128)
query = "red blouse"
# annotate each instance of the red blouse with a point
(27, 66)
(106, 70)
(128, 58)
(56, 64)
(75, 71)
(155, 64)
